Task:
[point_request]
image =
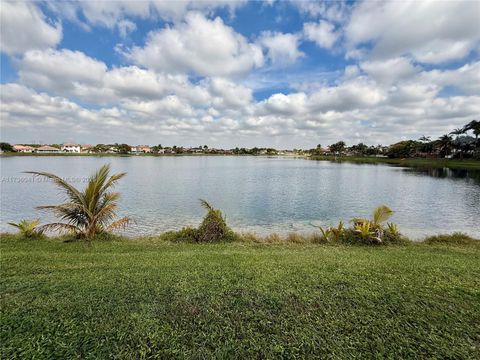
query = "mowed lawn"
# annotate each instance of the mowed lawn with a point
(134, 299)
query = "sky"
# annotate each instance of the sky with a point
(284, 74)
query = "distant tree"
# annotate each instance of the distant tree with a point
(445, 145)
(338, 147)
(359, 149)
(123, 148)
(402, 149)
(205, 147)
(4, 146)
(156, 148)
(474, 126)
(100, 148)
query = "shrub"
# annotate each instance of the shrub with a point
(214, 227)
(456, 238)
(186, 234)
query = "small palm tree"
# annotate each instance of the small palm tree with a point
(28, 229)
(373, 228)
(89, 212)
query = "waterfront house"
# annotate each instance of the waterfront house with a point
(47, 150)
(71, 148)
(141, 149)
(23, 148)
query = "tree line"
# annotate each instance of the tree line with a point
(460, 143)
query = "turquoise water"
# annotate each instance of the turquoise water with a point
(258, 194)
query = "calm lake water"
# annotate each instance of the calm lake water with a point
(258, 194)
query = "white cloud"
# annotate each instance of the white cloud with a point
(388, 71)
(323, 33)
(334, 11)
(281, 48)
(24, 27)
(110, 13)
(125, 27)
(199, 45)
(431, 32)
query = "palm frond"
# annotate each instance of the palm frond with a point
(61, 227)
(119, 224)
(73, 194)
(206, 205)
(381, 214)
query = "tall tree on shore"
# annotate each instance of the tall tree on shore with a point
(474, 126)
(445, 144)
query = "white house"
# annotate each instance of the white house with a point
(71, 148)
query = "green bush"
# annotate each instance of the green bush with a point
(456, 238)
(186, 234)
(212, 229)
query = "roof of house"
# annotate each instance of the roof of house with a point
(22, 147)
(71, 144)
(47, 148)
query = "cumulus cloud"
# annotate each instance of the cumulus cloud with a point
(110, 13)
(198, 45)
(24, 27)
(322, 33)
(197, 80)
(281, 48)
(431, 32)
(388, 71)
(333, 11)
(59, 70)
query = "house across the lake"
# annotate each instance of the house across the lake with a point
(141, 149)
(71, 148)
(23, 148)
(47, 149)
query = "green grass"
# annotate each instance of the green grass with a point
(144, 298)
(449, 163)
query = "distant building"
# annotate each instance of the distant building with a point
(86, 148)
(47, 149)
(71, 148)
(23, 148)
(141, 149)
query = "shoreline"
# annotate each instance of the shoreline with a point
(408, 162)
(312, 238)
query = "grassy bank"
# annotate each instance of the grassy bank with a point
(146, 298)
(449, 163)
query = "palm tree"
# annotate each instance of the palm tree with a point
(89, 212)
(456, 144)
(444, 143)
(473, 125)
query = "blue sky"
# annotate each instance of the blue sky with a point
(237, 73)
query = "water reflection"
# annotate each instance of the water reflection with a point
(443, 173)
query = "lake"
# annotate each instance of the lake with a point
(258, 194)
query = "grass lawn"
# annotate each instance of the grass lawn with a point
(449, 163)
(145, 299)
